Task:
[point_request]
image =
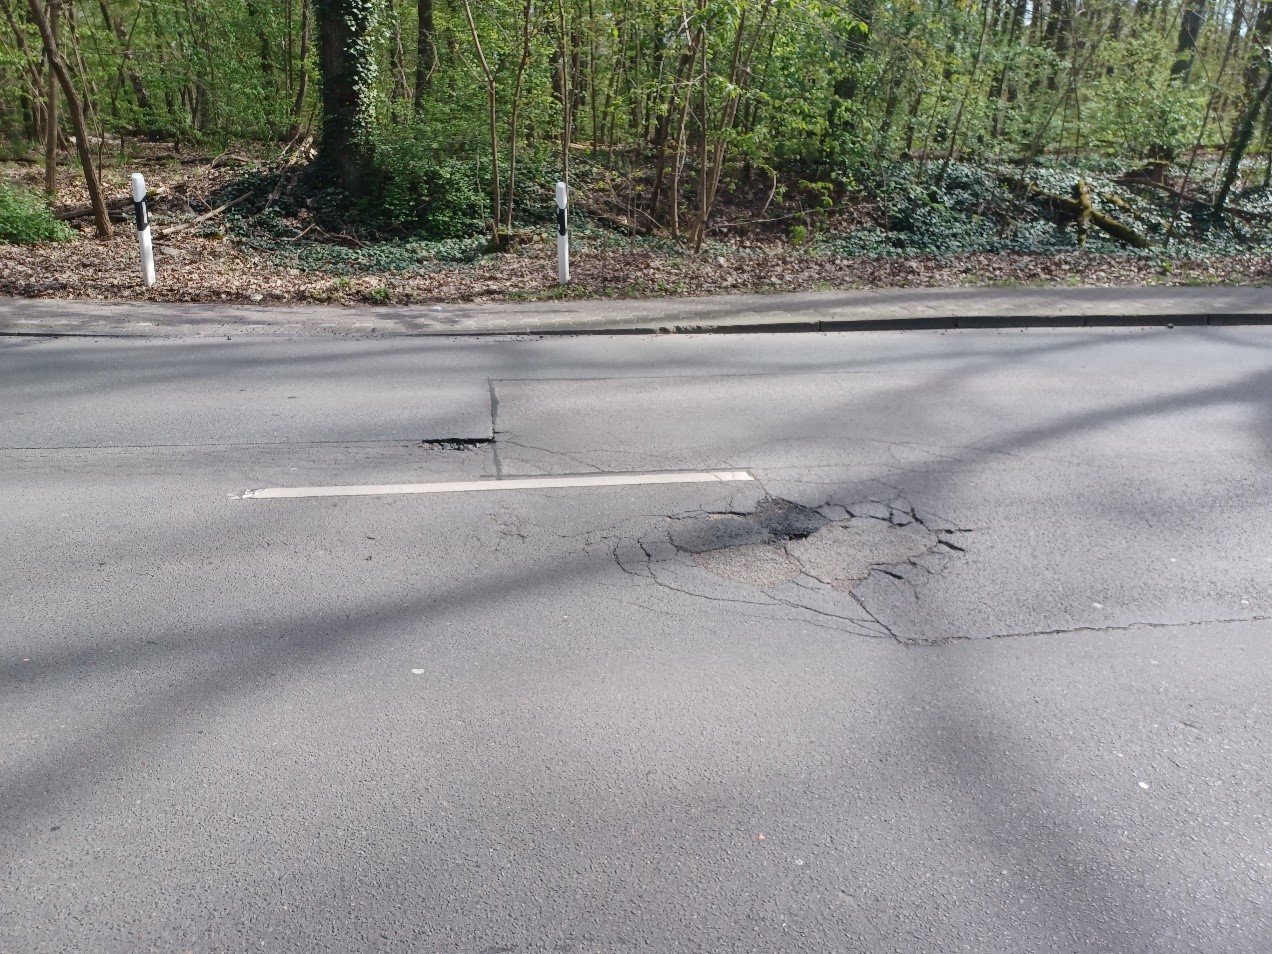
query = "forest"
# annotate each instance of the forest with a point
(393, 136)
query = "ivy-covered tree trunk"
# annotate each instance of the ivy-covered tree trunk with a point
(346, 60)
(1192, 20)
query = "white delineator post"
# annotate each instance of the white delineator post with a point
(143, 229)
(563, 235)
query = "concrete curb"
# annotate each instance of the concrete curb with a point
(797, 326)
(925, 323)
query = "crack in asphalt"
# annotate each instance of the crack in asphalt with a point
(1121, 628)
(771, 603)
(589, 467)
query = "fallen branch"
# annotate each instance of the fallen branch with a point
(1074, 209)
(1197, 201)
(1134, 182)
(725, 226)
(623, 221)
(173, 230)
(1247, 215)
(227, 157)
(343, 237)
(618, 223)
(114, 205)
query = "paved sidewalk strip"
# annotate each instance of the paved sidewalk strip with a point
(871, 310)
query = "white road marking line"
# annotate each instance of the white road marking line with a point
(513, 483)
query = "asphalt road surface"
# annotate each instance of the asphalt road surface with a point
(977, 661)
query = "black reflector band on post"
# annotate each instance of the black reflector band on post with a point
(561, 224)
(143, 220)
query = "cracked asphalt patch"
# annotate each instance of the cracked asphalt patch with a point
(785, 554)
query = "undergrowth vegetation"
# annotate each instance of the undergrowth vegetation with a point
(906, 209)
(25, 218)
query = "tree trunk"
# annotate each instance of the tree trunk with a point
(198, 89)
(347, 63)
(514, 130)
(967, 92)
(33, 96)
(302, 84)
(1001, 92)
(1240, 140)
(855, 49)
(567, 111)
(264, 48)
(425, 52)
(739, 81)
(50, 109)
(1259, 34)
(397, 56)
(116, 26)
(681, 78)
(100, 216)
(704, 108)
(492, 88)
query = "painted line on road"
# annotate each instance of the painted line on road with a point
(513, 483)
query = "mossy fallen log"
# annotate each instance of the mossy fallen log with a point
(1079, 209)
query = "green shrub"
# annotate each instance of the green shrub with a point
(424, 191)
(25, 219)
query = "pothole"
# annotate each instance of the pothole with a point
(781, 541)
(772, 520)
(456, 443)
(788, 555)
